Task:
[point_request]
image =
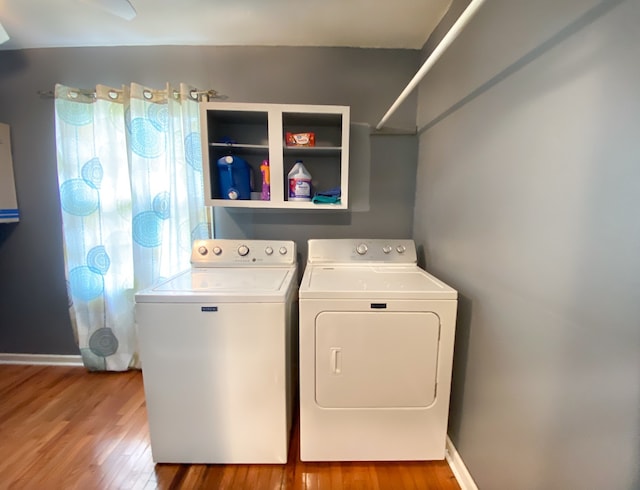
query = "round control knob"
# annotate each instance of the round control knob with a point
(386, 249)
(243, 250)
(268, 250)
(361, 249)
(401, 249)
(217, 250)
(202, 250)
(283, 250)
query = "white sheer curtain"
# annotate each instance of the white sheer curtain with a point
(131, 193)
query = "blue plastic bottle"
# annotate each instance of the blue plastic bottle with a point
(235, 178)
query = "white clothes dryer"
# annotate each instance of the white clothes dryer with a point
(376, 349)
(216, 350)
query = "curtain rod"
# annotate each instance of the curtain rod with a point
(204, 95)
(446, 41)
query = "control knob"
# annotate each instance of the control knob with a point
(268, 250)
(202, 250)
(401, 249)
(243, 250)
(361, 249)
(217, 250)
(283, 250)
(386, 249)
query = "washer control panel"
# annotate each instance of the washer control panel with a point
(234, 253)
(365, 250)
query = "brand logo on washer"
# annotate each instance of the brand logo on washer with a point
(209, 308)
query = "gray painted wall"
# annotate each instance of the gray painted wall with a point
(527, 201)
(33, 303)
(390, 193)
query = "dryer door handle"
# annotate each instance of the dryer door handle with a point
(336, 360)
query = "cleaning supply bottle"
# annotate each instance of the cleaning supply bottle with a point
(235, 177)
(299, 183)
(265, 195)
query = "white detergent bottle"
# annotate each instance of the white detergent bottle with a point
(299, 183)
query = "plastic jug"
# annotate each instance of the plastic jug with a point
(235, 178)
(265, 195)
(299, 183)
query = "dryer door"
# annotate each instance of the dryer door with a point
(376, 359)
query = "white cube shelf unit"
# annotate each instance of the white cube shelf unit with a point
(256, 132)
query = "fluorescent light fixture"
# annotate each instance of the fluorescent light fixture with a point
(119, 8)
(4, 37)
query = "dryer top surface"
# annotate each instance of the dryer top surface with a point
(372, 282)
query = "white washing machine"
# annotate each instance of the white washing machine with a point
(216, 350)
(376, 350)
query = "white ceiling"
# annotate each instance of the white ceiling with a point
(402, 24)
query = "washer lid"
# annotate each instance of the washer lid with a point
(372, 282)
(230, 285)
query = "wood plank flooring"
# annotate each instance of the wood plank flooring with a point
(65, 428)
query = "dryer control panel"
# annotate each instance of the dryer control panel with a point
(341, 251)
(238, 253)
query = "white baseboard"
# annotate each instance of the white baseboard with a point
(41, 359)
(458, 468)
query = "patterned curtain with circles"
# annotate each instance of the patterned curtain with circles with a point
(131, 195)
